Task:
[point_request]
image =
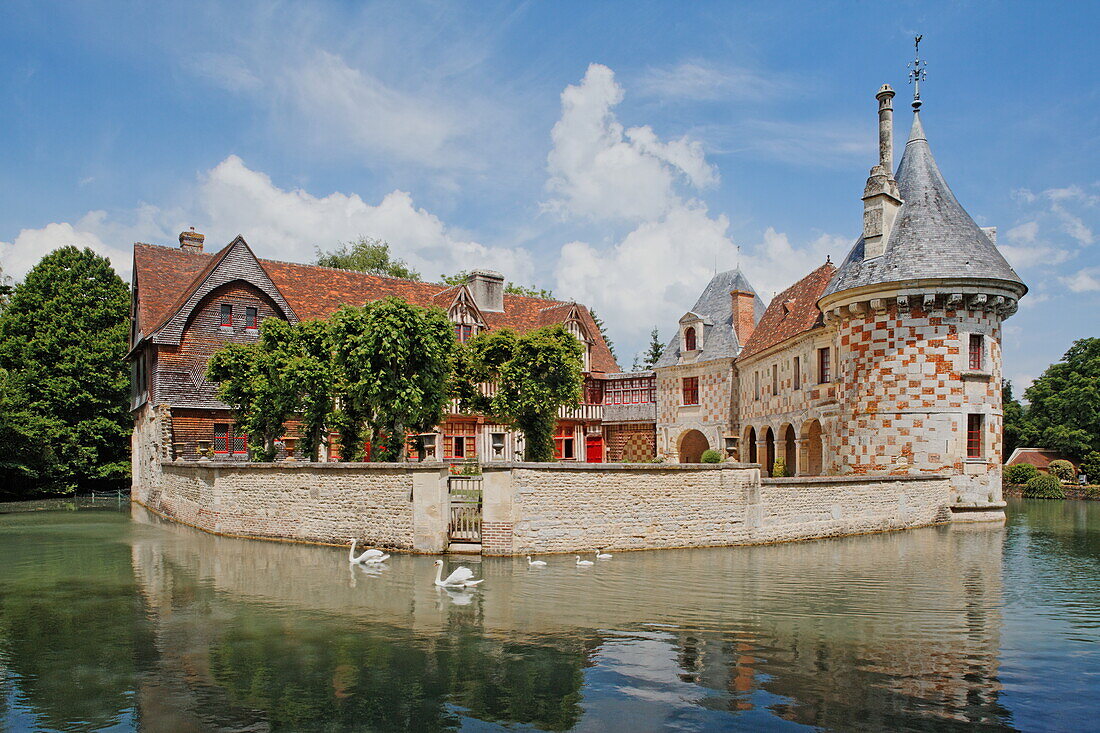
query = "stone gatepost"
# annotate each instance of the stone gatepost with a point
(431, 509)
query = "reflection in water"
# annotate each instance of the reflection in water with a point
(112, 620)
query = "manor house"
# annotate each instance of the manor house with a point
(889, 362)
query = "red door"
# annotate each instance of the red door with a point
(593, 449)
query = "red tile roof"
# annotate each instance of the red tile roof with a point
(790, 313)
(1038, 457)
(166, 276)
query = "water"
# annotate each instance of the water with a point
(116, 620)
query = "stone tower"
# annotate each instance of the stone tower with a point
(917, 306)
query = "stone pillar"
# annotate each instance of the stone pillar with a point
(497, 512)
(431, 509)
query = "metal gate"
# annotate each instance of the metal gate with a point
(465, 500)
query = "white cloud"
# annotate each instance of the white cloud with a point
(697, 80)
(1084, 281)
(598, 170)
(225, 70)
(279, 224)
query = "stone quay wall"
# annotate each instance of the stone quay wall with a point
(536, 508)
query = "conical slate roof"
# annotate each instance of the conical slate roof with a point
(715, 307)
(933, 236)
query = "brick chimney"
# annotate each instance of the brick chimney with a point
(191, 241)
(487, 287)
(744, 314)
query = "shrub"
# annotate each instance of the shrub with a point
(779, 470)
(711, 456)
(1090, 466)
(1062, 470)
(1021, 473)
(1044, 487)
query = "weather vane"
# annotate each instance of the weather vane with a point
(917, 72)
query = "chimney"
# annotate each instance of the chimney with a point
(881, 199)
(487, 287)
(744, 315)
(191, 241)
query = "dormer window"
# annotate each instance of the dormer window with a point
(252, 317)
(689, 338)
(227, 316)
(464, 332)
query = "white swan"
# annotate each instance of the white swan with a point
(584, 562)
(376, 560)
(600, 555)
(365, 556)
(460, 578)
(535, 563)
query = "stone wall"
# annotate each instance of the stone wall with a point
(535, 508)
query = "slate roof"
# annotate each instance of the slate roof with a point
(166, 276)
(715, 307)
(790, 313)
(933, 236)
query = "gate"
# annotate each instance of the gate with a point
(465, 499)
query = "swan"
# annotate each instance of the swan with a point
(460, 578)
(365, 556)
(584, 563)
(600, 555)
(376, 560)
(535, 563)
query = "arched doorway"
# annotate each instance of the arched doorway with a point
(811, 438)
(769, 452)
(749, 448)
(692, 445)
(790, 449)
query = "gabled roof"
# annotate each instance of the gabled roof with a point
(932, 237)
(1038, 457)
(166, 277)
(715, 307)
(790, 313)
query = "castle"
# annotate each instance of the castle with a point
(887, 363)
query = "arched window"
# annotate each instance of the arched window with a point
(689, 338)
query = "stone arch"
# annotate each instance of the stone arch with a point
(769, 451)
(790, 449)
(692, 445)
(811, 444)
(748, 453)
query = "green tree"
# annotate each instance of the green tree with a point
(367, 254)
(536, 374)
(396, 362)
(309, 373)
(603, 332)
(1064, 403)
(63, 345)
(1014, 425)
(653, 352)
(254, 379)
(511, 288)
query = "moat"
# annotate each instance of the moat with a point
(112, 619)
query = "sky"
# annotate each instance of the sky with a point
(616, 153)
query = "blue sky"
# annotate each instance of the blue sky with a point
(615, 152)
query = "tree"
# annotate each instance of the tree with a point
(63, 346)
(254, 379)
(1014, 425)
(309, 374)
(1064, 403)
(536, 374)
(653, 352)
(603, 332)
(367, 255)
(460, 278)
(396, 361)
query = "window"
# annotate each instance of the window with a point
(796, 378)
(565, 443)
(775, 379)
(756, 385)
(824, 368)
(974, 436)
(226, 442)
(459, 440)
(977, 352)
(691, 390)
(252, 317)
(463, 332)
(689, 338)
(227, 315)
(634, 391)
